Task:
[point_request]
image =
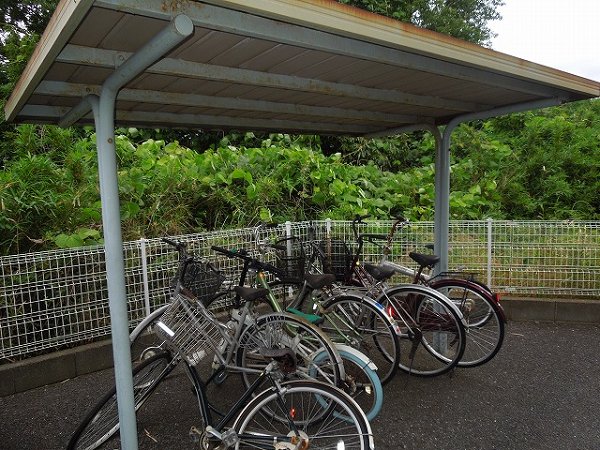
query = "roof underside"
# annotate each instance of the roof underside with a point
(281, 65)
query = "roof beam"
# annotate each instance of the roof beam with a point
(56, 88)
(245, 24)
(148, 119)
(94, 57)
(63, 24)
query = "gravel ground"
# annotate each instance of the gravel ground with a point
(542, 391)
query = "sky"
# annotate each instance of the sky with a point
(563, 34)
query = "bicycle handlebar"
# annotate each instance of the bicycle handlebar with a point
(400, 222)
(370, 237)
(252, 262)
(358, 219)
(176, 244)
(230, 253)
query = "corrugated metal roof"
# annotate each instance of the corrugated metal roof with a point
(293, 66)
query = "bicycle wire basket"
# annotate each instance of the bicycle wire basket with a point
(202, 280)
(290, 258)
(190, 329)
(336, 258)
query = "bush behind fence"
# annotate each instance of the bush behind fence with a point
(57, 298)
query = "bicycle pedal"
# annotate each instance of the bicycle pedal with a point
(195, 434)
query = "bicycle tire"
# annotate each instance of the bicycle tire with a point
(361, 323)
(484, 321)
(361, 382)
(102, 421)
(431, 329)
(281, 330)
(320, 415)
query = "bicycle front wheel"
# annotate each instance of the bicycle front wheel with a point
(484, 321)
(431, 330)
(363, 324)
(309, 414)
(102, 422)
(284, 330)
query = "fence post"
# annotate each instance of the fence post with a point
(145, 275)
(288, 235)
(328, 227)
(489, 251)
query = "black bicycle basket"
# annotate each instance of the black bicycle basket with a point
(202, 280)
(290, 258)
(336, 258)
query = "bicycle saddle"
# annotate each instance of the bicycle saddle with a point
(318, 281)
(424, 260)
(250, 294)
(380, 272)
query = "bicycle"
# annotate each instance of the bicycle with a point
(360, 377)
(287, 415)
(427, 320)
(181, 325)
(483, 314)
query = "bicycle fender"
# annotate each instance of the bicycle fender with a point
(483, 291)
(426, 290)
(146, 321)
(364, 359)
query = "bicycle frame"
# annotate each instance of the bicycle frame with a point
(241, 403)
(251, 264)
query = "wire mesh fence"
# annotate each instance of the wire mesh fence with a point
(59, 298)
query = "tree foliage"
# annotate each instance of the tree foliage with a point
(22, 24)
(535, 165)
(463, 19)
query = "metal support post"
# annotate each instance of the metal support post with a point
(441, 212)
(104, 117)
(489, 251)
(146, 284)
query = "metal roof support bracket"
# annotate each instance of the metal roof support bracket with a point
(442, 170)
(103, 108)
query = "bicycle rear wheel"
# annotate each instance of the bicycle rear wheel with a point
(284, 330)
(431, 330)
(309, 414)
(484, 321)
(102, 422)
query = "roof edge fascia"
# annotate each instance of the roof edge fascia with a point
(348, 21)
(63, 23)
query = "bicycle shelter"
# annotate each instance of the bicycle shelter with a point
(295, 66)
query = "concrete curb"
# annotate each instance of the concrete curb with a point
(55, 367)
(63, 365)
(552, 310)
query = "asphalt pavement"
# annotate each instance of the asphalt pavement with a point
(542, 391)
